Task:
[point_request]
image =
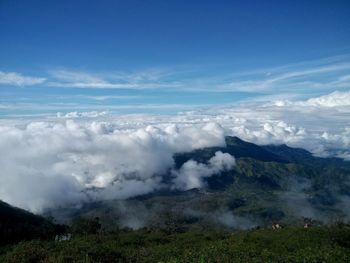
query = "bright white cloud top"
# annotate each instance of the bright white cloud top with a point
(55, 161)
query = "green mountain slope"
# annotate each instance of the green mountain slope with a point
(268, 184)
(17, 224)
(317, 244)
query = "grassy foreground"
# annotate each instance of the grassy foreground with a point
(317, 244)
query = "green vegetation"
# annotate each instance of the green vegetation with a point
(269, 184)
(17, 224)
(291, 244)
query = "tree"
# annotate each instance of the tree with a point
(86, 226)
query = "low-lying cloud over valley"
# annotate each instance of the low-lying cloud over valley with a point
(64, 159)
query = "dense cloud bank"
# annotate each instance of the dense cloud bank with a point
(54, 161)
(46, 164)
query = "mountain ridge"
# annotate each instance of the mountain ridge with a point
(267, 183)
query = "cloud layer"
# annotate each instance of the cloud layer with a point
(334, 99)
(71, 158)
(48, 164)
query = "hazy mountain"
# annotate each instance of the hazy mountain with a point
(268, 183)
(272, 183)
(234, 146)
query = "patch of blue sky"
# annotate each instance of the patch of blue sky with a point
(168, 56)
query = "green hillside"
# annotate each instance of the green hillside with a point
(229, 220)
(268, 184)
(326, 244)
(17, 224)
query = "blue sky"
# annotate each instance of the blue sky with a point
(168, 56)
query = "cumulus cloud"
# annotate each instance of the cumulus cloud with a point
(71, 158)
(17, 79)
(192, 173)
(334, 99)
(48, 164)
(320, 125)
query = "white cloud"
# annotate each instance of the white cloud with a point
(320, 125)
(76, 79)
(17, 79)
(76, 114)
(110, 97)
(308, 76)
(52, 162)
(334, 99)
(47, 164)
(81, 80)
(192, 173)
(301, 78)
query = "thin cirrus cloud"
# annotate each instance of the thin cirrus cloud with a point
(306, 78)
(17, 79)
(303, 79)
(110, 97)
(322, 74)
(142, 80)
(298, 81)
(329, 73)
(46, 109)
(69, 79)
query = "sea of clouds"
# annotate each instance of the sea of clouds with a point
(61, 160)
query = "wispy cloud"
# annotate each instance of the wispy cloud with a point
(75, 79)
(47, 108)
(320, 77)
(109, 97)
(17, 79)
(308, 77)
